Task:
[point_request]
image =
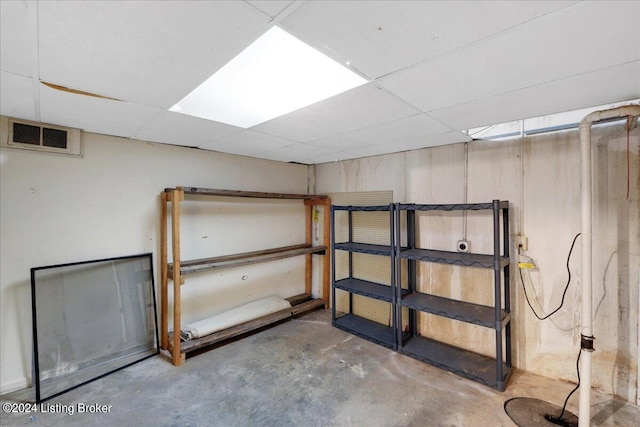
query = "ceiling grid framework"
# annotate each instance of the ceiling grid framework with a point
(434, 69)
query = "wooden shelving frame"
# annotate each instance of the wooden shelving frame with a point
(178, 269)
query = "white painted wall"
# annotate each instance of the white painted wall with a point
(57, 209)
(540, 177)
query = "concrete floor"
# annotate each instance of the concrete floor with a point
(303, 373)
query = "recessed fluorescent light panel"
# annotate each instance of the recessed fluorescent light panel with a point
(275, 75)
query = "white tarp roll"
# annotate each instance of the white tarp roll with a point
(233, 317)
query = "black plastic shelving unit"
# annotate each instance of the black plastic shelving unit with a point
(493, 372)
(380, 334)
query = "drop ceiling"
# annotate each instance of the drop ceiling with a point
(434, 69)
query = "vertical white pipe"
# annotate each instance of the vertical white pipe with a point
(466, 189)
(586, 317)
(584, 414)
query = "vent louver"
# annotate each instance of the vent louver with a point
(40, 137)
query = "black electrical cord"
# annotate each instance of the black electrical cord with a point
(565, 288)
(556, 420)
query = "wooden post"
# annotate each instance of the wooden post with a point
(308, 267)
(326, 242)
(178, 195)
(164, 294)
(326, 263)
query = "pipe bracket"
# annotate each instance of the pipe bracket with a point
(586, 343)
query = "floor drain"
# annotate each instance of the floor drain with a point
(528, 412)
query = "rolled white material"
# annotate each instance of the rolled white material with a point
(233, 317)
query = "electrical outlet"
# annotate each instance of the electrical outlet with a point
(463, 246)
(521, 242)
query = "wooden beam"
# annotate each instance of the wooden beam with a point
(229, 261)
(251, 194)
(178, 359)
(319, 200)
(241, 255)
(308, 266)
(170, 276)
(306, 307)
(326, 262)
(164, 294)
(298, 299)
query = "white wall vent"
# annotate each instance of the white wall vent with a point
(23, 134)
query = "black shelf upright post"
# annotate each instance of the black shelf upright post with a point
(506, 276)
(412, 268)
(333, 265)
(497, 287)
(394, 283)
(398, 277)
(350, 228)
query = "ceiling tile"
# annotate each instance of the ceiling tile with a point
(152, 53)
(465, 64)
(403, 129)
(332, 156)
(93, 114)
(339, 156)
(358, 108)
(566, 43)
(271, 7)
(411, 144)
(246, 142)
(180, 129)
(17, 36)
(16, 96)
(379, 37)
(299, 152)
(595, 88)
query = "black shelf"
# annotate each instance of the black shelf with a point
(384, 208)
(367, 288)
(482, 369)
(492, 372)
(489, 371)
(364, 248)
(454, 309)
(503, 204)
(455, 258)
(372, 331)
(367, 329)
